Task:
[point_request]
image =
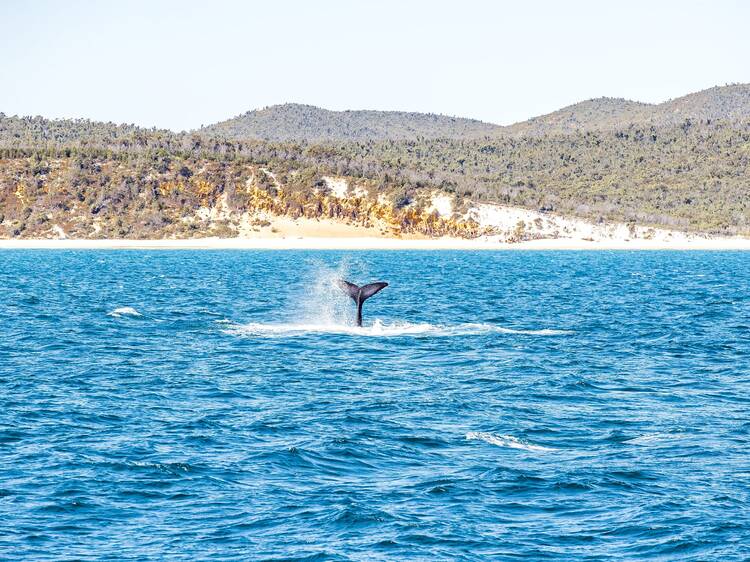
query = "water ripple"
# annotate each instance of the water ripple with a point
(221, 405)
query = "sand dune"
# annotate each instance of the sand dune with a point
(515, 229)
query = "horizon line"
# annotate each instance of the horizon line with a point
(257, 109)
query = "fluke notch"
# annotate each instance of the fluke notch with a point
(361, 294)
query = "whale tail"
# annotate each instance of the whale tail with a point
(360, 294)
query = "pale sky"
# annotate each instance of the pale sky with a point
(180, 64)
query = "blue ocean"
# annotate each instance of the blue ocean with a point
(222, 405)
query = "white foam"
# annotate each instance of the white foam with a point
(124, 311)
(321, 307)
(376, 329)
(505, 441)
(379, 328)
(648, 439)
(544, 332)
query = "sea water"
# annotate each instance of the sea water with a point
(222, 405)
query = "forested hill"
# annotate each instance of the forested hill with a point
(306, 123)
(149, 183)
(312, 124)
(309, 124)
(38, 131)
(684, 164)
(721, 103)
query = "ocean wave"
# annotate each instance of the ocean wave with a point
(124, 311)
(381, 329)
(650, 438)
(506, 441)
(543, 332)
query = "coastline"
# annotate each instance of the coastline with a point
(375, 243)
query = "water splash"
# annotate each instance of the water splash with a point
(124, 311)
(322, 303)
(321, 307)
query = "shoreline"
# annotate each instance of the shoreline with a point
(374, 243)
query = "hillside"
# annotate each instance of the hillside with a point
(306, 123)
(313, 124)
(590, 115)
(725, 103)
(721, 103)
(153, 185)
(668, 170)
(38, 131)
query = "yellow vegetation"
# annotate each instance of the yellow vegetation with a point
(22, 194)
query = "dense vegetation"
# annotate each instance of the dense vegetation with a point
(295, 122)
(725, 103)
(101, 179)
(694, 177)
(146, 184)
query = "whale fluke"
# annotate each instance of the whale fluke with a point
(361, 294)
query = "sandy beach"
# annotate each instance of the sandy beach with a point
(380, 243)
(544, 231)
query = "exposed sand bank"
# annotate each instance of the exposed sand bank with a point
(546, 231)
(374, 243)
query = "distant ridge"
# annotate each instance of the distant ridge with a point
(726, 103)
(294, 121)
(299, 122)
(721, 103)
(307, 123)
(589, 115)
